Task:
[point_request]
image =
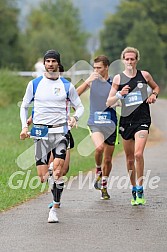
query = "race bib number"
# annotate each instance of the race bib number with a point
(39, 132)
(102, 117)
(133, 98)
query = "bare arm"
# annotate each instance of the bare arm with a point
(114, 94)
(84, 86)
(153, 85)
(112, 99)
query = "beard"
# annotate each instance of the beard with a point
(52, 75)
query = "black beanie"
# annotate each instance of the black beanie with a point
(52, 54)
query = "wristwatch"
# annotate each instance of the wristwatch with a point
(155, 94)
(76, 118)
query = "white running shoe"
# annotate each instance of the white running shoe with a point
(52, 216)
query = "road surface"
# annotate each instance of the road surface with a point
(90, 224)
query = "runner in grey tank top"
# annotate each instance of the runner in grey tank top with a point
(102, 122)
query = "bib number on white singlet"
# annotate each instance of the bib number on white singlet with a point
(39, 132)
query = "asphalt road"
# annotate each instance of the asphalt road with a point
(90, 224)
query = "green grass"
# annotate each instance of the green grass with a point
(10, 149)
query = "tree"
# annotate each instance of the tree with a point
(157, 12)
(116, 27)
(9, 33)
(149, 45)
(126, 27)
(55, 25)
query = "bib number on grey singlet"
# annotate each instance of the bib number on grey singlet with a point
(102, 117)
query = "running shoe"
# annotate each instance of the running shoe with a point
(52, 216)
(141, 201)
(51, 205)
(133, 200)
(97, 183)
(140, 197)
(104, 194)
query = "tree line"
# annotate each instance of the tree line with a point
(57, 24)
(54, 24)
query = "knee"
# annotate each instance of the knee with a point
(130, 162)
(57, 173)
(138, 156)
(42, 179)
